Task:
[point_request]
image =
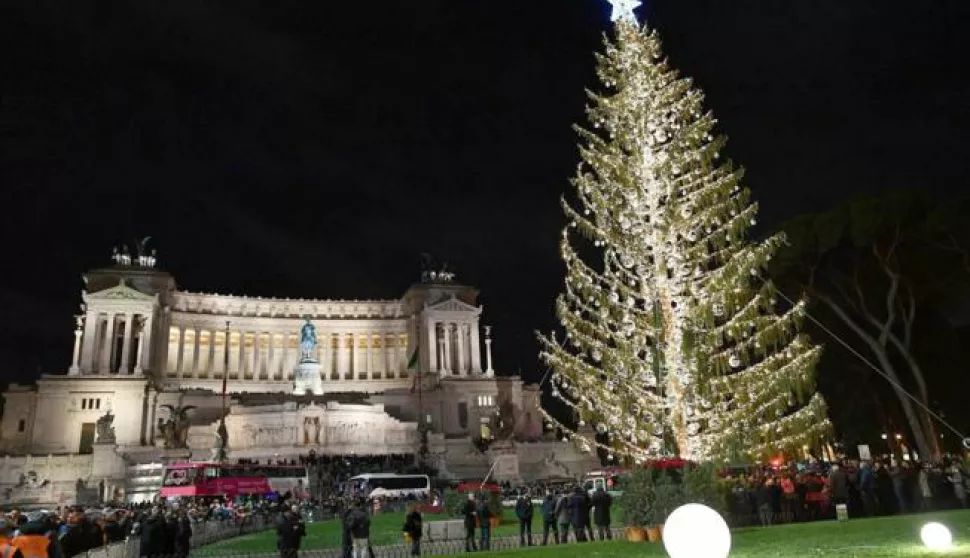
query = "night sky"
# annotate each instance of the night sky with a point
(316, 149)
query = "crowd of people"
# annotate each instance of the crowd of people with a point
(561, 512)
(73, 531)
(807, 492)
(161, 529)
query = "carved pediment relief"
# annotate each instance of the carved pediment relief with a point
(120, 292)
(454, 305)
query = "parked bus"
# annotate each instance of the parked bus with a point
(610, 479)
(613, 479)
(389, 485)
(230, 481)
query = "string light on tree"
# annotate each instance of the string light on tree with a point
(675, 342)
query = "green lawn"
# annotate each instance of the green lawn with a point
(880, 537)
(385, 530)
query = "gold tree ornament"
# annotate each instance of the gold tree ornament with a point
(675, 345)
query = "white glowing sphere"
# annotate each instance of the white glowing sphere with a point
(695, 530)
(936, 536)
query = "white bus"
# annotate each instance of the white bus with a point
(389, 485)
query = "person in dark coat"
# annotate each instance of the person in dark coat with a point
(579, 513)
(763, 499)
(347, 541)
(413, 527)
(839, 485)
(468, 511)
(524, 511)
(359, 523)
(170, 526)
(884, 489)
(151, 534)
(71, 536)
(289, 534)
(589, 511)
(183, 535)
(562, 517)
(484, 523)
(601, 513)
(549, 519)
(113, 530)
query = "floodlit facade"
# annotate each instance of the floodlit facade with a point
(144, 384)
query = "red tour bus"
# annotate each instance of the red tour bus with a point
(229, 481)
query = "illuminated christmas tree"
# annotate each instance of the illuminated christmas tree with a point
(674, 342)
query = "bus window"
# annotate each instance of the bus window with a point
(179, 477)
(588, 486)
(211, 472)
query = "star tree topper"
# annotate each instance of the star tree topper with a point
(623, 10)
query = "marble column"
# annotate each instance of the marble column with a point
(460, 344)
(210, 359)
(241, 362)
(389, 348)
(326, 359)
(343, 354)
(351, 357)
(139, 351)
(488, 352)
(76, 356)
(180, 355)
(430, 335)
(145, 336)
(288, 361)
(218, 355)
(89, 346)
(196, 364)
(107, 345)
(255, 355)
(126, 344)
(476, 349)
(442, 360)
(368, 356)
(448, 333)
(401, 364)
(271, 367)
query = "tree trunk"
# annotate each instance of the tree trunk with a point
(879, 350)
(928, 427)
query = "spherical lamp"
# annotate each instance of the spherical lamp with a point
(936, 536)
(695, 530)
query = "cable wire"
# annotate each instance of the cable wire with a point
(875, 368)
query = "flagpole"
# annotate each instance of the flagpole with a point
(225, 371)
(220, 452)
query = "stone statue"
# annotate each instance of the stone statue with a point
(308, 342)
(221, 445)
(175, 431)
(105, 430)
(311, 430)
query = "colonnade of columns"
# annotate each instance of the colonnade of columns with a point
(454, 348)
(111, 343)
(201, 353)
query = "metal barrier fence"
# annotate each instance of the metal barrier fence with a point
(202, 534)
(428, 548)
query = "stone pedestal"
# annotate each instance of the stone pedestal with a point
(306, 379)
(505, 461)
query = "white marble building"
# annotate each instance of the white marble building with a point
(143, 349)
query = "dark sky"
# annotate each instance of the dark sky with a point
(315, 149)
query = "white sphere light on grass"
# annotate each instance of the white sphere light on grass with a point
(696, 531)
(936, 536)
